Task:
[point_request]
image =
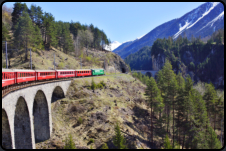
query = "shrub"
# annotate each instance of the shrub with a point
(91, 140)
(102, 82)
(69, 143)
(86, 83)
(80, 120)
(119, 140)
(93, 85)
(99, 85)
(61, 65)
(105, 146)
(88, 58)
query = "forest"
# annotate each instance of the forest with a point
(190, 115)
(204, 59)
(25, 28)
(140, 60)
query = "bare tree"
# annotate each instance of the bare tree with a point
(86, 38)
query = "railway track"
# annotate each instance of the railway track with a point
(25, 85)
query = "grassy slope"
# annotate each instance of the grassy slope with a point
(100, 107)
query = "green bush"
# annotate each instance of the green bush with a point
(105, 146)
(80, 120)
(119, 140)
(61, 65)
(93, 85)
(100, 86)
(69, 143)
(86, 83)
(88, 58)
(102, 82)
(91, 140)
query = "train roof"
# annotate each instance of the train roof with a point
(21, 70)
(45, 70)
(67, 70)
(97, 69)
(82, 69)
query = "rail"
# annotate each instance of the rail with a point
(17, 87)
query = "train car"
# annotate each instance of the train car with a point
(8, 77)
(97, 72)
(65, 73)
(83, 72)
(24, 75)
(45, 74)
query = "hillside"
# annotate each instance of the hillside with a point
(202, 21)
(43, 59)
(122, 100)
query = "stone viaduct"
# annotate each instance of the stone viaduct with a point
(26, 114)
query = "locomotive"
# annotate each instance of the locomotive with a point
(16, 76)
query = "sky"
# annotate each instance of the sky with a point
(121, 21)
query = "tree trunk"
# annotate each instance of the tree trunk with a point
(26, 51)
(178, 129)
(173, 122)
(87, 50)
(151, 124)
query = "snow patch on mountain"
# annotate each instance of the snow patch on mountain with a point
(188, 25)
(181, 29)
(204, 14)
(214, 20)
(112, 46)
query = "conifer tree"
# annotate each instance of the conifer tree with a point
(17, 12)
(168, 75)
(5, 33)
(172, 94)
(154, 98)
(188, 88)
(119, 140)
(180, 103)
(69, 144)
(167, 144)
(24, 31)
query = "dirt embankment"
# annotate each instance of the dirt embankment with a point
(44, 60)
(88, 114)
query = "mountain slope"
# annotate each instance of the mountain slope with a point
(202, 21)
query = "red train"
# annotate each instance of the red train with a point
(14, 76)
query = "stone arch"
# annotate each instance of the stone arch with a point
(22, 127)
(148, 74)
(41, 117)
(58, 93)
(6, 133)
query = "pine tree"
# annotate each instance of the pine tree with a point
(167, 144)
(5, 33)
(69, 143)
(180, 104)
(154, 98)
(17, 11)
(168, 75)
(24, 31)
(188, 88)
(210, 97)
(119, 140)
(172, 94)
